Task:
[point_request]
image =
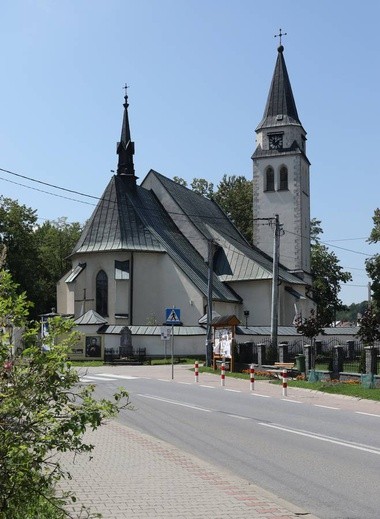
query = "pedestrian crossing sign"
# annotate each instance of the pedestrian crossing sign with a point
(173, 316)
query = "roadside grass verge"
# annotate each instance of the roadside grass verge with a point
(338, 388)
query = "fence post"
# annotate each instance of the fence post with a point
(261, 354)
(252, 377)
(284, 382)
(371, 359)
(350, 350)
(338, 360)
(307, 353)
(283, 352)
(223, 374)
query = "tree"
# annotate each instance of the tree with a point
(369, 330)
(327, 277)
(203, 187)
(36, 254)
(235, 196)
(372, 264)
(44, 410)
(310, 328)
(55, 240)
(17, 225)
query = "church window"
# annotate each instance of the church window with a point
(102, 293)
(269, 179)
(122, 269)
(283, 178)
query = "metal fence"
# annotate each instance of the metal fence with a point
(354, 353)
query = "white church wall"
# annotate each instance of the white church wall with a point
(256, 297)
(159, 284)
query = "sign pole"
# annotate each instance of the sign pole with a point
(172, 352)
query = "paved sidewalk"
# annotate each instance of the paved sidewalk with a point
(133, 475)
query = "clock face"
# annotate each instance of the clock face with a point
(275, 142)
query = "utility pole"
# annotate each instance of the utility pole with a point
(276, 260)
(210, 268)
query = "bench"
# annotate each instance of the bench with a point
(286, 365)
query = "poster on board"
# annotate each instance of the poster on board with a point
(223, 342)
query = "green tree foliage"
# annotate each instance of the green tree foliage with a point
(234, 194)
(372, 264)
(17, 226)
(36, 254)
(55, 241)
(44, 410)
(369, 330)
(327, 277)
(203, 187)
(352, 312)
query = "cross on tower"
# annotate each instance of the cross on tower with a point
(126, 88)
(280, 35)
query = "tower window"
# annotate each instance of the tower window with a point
(102, 293)
(269, 179)
(283, 178)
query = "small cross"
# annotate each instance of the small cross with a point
(126, 88)
(280, 35)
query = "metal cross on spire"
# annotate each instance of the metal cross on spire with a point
(280, 35)
(125, 89)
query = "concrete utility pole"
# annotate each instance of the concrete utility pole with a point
(276, 260)
(210, 265)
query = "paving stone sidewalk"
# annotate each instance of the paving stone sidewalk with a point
(133, 475)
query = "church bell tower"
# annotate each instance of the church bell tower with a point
(281, 176)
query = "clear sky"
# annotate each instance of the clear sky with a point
(199, 73)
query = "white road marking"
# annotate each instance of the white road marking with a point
(88, 378)
(291, 401)
(210, 387)
(237, 416)
(326, 407)
(175, 402)
(258, 394)
(368, 414)
(233, 390)
(126, 377)
(163, 380)
(185, 383)
(316, 436)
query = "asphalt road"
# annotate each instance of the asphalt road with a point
(323, 458)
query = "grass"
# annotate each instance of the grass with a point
(87, 363)
(347, 388)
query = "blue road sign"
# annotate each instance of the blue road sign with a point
(173, 315)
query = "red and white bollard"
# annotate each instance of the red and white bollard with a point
(223, 374)
(284, 382)
(252, 377)
(196, 371)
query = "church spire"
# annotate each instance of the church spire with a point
(281, 108)
(125, 148)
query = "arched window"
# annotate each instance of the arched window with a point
(269, 179)
(283, 178)
(102, 293)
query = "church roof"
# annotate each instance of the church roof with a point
(236, 259)
(280, 109)
(133, 219)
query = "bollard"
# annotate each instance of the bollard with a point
(252, 377)
(223, 374)
(196, 371)
(284, 382)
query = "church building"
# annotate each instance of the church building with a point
(143, 254)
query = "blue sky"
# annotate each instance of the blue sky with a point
(199, 73)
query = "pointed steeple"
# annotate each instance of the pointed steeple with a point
(281, 108)
(126, 148)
